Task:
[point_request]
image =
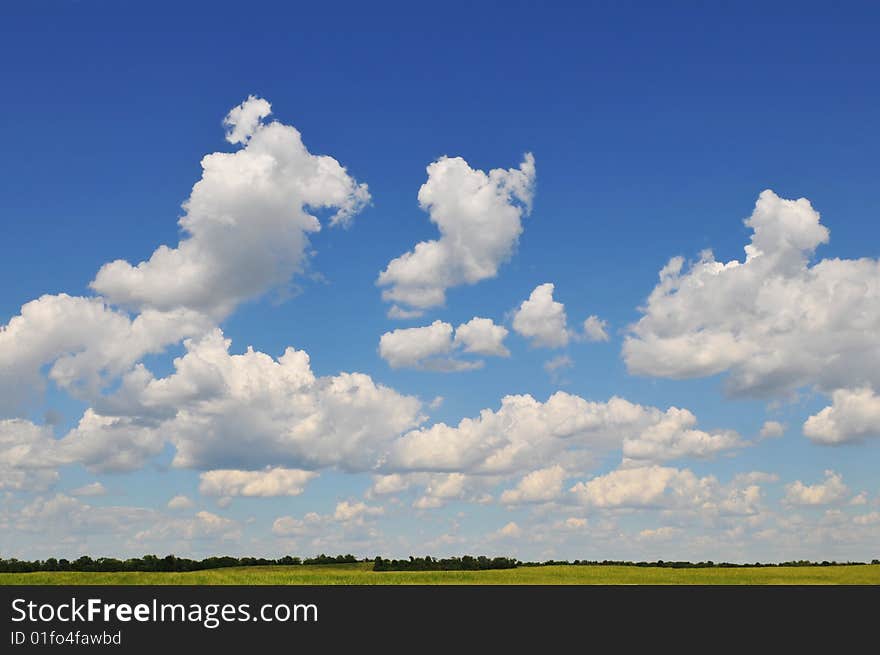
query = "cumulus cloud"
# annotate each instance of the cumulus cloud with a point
(645, 487)
(289, 526)
(245, 224)
(410, 347)
(245, 412)
(831, 490)
(538, 486)
(481, 336)
(853, 416)
(244, 120)
(674, 435)
(524, 434)
(542, 319)
(347, 514)
(180, 502)
(773, 322)
(871, 518)
(111, 443)
(661, 533)
(670, 489)
(91, 489)
(510, 530)
(432, 347)
(772, 430)
(27, 456)
(354, 510)
(442, 488)
(62, 516)
(479, 216)
(595, 329)
(389, 484)
(557, 363)
(202, 526)
(270, 482)
(574, 523)
(84, 342)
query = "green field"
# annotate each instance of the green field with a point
(362, 574)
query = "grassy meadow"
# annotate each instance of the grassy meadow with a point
(362, 574)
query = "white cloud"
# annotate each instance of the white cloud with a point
(525, 434)
(674, 435)
(84, 342)
(27, 456)
(202, 526)
(91, 489)
(403, 314)
(853, 415)
(479, 217)
(349, 519)
(354, 510)
(180, 502)
(440, 489)
(553, 365)
(831, 490)
(111, 443)
(409, 347)
(772, 430)
(742, 501)
(575, 523)
(289, 526)
(859, 499)
(482, 337)
(245, 412)
(538, 486)
(755, 477)
(59, 517)
(595, 329)
(245, 223)
(665, 532)
(269, 482)
(244, 120)
(542, 319)
(646, 487)
(389, 484)
(871, 518)
(511, 530)
(432, 347)
(774, 322)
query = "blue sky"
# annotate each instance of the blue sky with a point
(653, 131)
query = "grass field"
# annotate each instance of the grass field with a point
(361, 574)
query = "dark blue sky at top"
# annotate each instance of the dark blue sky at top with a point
(654, 129)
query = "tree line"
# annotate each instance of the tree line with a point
(465, 563)
(167, 564)
(172, 563)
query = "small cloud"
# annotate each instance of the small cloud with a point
(402, 314)
(772, 430)
(574, 523)
(93, 489)
(664, 532)
(510, 530)
(595, 329)
(556, 365)
(860, 499)
(180, 502)
(867, 519)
